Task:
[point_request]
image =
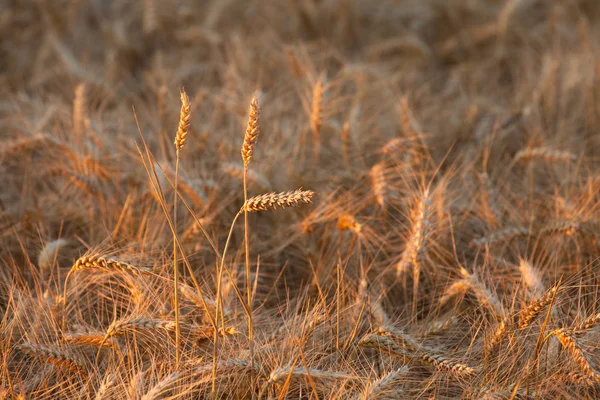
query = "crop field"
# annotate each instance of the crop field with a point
(299, 199)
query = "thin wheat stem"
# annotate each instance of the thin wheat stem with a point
(175, 275)
(180, 140)
(218, 303)
(248, 279)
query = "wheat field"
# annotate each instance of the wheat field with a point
(299, 199)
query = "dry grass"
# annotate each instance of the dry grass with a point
(444, 245)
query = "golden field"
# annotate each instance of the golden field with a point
(299, 199)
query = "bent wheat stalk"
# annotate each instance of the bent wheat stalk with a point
(262, 202)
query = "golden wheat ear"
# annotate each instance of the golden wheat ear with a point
(184, 121)
(271, 201)
(252, 130)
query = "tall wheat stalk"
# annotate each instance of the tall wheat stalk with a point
(180, 140)
(250, 138)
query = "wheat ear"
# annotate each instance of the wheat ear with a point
(530, 313)
(570, 343)
(588, 324)
(271, 201)
(324, 379)
(504, 235)
(103, 264)
(483, 294)
(134, 324)
(546, 154)
(378, 184)
(91, 339)
(531, 278)
(184, 121)
(316, 116)
(252, 131)
(416, 245)
(424, 355)
(347, 221)
(79, 109)
(385, 388)
(441, 363)
(53, 355)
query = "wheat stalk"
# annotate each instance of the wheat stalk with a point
(247, 151)
(180, 140)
